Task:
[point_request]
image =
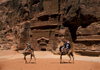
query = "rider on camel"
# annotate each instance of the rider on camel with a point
(28, 47)
(66, 45)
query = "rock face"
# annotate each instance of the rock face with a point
(88, 39)
(82, 18)
(80, 13)
(42, 22)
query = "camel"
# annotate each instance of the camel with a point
(29, 52)
(65, 51)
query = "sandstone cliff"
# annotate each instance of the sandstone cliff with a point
(80, 18)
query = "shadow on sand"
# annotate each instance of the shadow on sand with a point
(66, 62)
(30, 63)
(62, 62)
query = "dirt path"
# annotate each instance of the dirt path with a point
(44, 54)
(12, 60)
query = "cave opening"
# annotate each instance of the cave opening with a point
(43, 49)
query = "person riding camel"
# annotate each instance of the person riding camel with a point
(28, 47)
(66, 45)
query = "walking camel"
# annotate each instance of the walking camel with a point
(64, 51)
(29, 52)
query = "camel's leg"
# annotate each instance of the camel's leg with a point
(61, 58)
(30, 58)
(25, 58)
(72, 57)
(34, 57)
(70, 54)
(69, 57)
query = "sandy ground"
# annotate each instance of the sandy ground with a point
(45, 60)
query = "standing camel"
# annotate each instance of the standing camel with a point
(65, 51)
(29, 52)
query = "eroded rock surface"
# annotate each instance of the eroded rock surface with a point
(22, 21)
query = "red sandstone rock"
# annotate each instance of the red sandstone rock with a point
(34, 19)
